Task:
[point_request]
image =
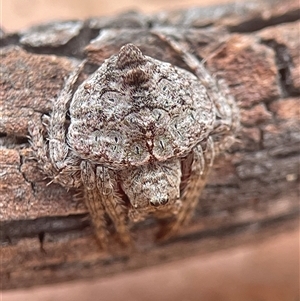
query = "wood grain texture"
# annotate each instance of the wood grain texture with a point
(253, 191)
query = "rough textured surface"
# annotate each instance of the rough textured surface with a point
(45, 231)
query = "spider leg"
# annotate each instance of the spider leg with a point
(69, 176)
(113, 203)
(191, 61)
(228, 122)
(39, 146)
(94, 204)
(227, 112)
(201, 165)
(58, 147)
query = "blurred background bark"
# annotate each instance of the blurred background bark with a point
(18, 14)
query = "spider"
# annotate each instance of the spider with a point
(141, 140)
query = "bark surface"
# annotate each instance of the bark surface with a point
(253, 191)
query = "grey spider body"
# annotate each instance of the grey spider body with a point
(131, 114)
(142, 137)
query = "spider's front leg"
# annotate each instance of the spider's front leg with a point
(58, 147)
(100, 197)
(94, 203)
(69, 176)
(54, 157)
(200, 167)
(113, 203)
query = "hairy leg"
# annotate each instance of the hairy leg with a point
(58, 147)
(68, 176)
(227, 113)
(40, 147)
(201, 165)
(113, 203)
(94, 204)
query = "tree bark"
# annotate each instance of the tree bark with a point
(253, 190)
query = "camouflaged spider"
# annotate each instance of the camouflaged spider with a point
(142, 137)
